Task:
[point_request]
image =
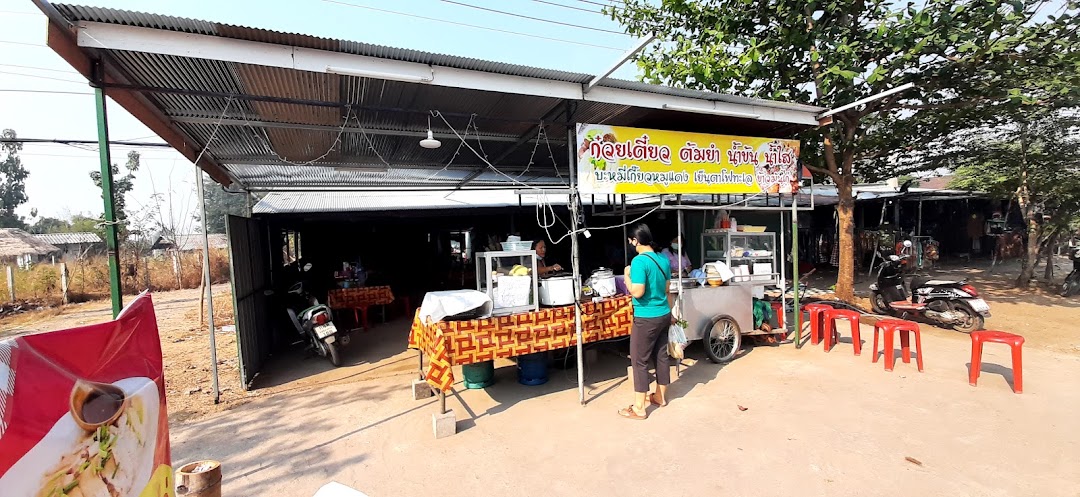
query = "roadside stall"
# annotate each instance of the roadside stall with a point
(738, 264)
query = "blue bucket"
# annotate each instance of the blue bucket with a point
(533, 369)
(479, 375)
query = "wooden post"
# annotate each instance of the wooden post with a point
(11, 282)
(64, 282)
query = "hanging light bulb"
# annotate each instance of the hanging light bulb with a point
(430, 142)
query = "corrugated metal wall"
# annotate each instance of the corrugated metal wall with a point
(250, 269)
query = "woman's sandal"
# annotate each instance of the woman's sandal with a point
(652, 400)
(629, 413)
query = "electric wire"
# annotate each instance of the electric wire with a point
(531, 18)
(486, 28)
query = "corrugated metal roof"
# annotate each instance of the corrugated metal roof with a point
(147, 20)
(260, 142)
(338, 202)
(69, 238)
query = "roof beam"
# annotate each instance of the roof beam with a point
(64, 44)
(348, 129)
(158, 41)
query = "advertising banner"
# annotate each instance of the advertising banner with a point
(82, 411)
(614, 159)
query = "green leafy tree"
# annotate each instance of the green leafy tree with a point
(50, 225)
(122, 185)
(1035, 161)
(12, 182)
(960, 54)
(220, 204)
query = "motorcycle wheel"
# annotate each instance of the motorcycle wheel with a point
(1065, 288)
(877, 303)
(973, 321)
(333, 354)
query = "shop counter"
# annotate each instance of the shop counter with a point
(455, 343)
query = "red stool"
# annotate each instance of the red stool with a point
(978, 338)
(817, 320)
(890, 326)
(832, 335)
(778, 309)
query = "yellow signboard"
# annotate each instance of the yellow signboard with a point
(614, 159)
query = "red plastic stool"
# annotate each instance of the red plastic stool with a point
(890, 326)
(832, 335)
(778, 309)
(817, 320)
(978, 338)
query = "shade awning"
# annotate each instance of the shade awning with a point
(281, 111)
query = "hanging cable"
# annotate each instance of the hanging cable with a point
(531, 18)
(486, 28)
(43, 77)
(582, 9)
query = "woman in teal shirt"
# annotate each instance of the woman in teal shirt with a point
(647, 278)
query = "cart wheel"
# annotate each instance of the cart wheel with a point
(723, 340)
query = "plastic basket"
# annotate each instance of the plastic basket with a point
(517, 246)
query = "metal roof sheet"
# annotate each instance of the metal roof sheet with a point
(69, 238)
(274, 145)
(338, 202)
(157, 21)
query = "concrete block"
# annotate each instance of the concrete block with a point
(421, 390)
(444, 424)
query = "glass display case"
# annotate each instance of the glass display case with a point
(509, 279)
(751, 256)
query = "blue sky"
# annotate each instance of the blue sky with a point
(59, 183)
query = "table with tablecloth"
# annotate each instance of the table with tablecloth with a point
(359, 300)
(456, 343)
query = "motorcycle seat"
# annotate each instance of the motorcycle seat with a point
(921, 281)
(906, 305)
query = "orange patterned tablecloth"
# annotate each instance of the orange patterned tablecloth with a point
(359, 298)
(455, 343)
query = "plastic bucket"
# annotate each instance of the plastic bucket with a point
(533, 369)
(479, 375)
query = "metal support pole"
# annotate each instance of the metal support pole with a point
(208, 283)
(783, 272)
(918, 229)
(795, 271)
(576, 256)
(112, 241)
(11, 282)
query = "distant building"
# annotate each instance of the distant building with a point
(188, 243)
(74, 245)
(23, 249)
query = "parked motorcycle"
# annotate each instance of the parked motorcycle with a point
(947, 303)
(315, 322)
(1072, 281)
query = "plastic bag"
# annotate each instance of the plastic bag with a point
(677, 341)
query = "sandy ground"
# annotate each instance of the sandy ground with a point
(815, 423)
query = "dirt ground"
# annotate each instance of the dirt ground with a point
(1046, 320)
(814, 423)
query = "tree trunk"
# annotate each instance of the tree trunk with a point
(845, 210)
(1048, 273)
(1034, 229)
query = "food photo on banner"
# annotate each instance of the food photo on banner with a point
(620, 160)
(82, 411)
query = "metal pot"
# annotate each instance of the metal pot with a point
(603, 282)
(557, 291)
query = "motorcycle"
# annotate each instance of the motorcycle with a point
(947, 303)
(1071, 286)
(315, 322)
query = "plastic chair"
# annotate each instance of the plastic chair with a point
(890, 326)
(817, 320)
(778, 309)
(832, 334)
(1016, 342)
